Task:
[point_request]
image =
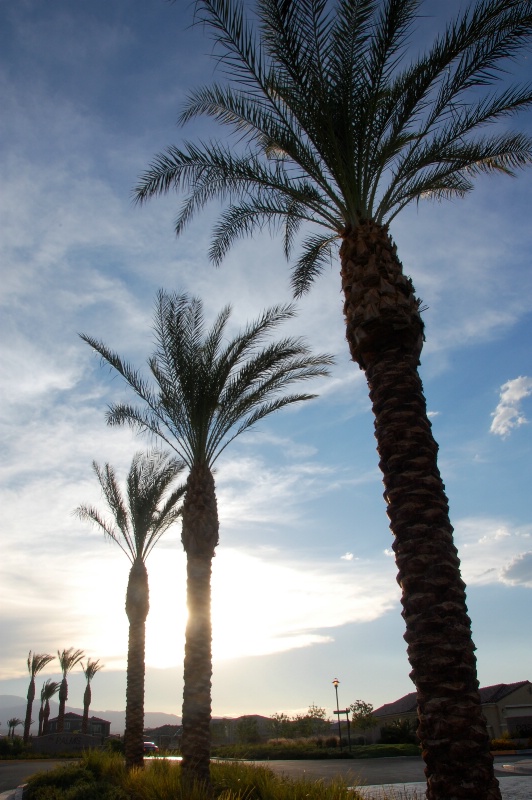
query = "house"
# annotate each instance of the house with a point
(507, 708)
(73, 723)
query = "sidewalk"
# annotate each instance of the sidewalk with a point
(516, 784)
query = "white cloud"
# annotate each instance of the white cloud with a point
(508, 414)
(519, 570)
(493, 551)
(347, 557)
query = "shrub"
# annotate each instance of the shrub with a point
(503, 744)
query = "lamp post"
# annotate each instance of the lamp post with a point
(335, 684)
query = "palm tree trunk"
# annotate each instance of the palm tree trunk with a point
(41, 719)
(137, 607)
(46, 717)
(29, 707)
(385, 335)
(63, 697)
(87, 696)
(200, 537)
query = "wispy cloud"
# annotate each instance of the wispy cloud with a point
(508, 414)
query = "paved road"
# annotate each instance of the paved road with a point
(13, 773)
(369, 771)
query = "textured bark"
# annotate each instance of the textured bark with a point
(29, 707)
(385, 335)
(63, 697)
(87, 697)
(200, 537)
(137, 607)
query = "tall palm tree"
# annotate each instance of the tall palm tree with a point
(49, 689)
(339, 124)
(89, 669)
(68, 660)
(36, 662)
(207, 390)
(138, 522)
(13, 723)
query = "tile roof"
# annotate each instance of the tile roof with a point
(489, 694)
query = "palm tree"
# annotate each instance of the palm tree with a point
(208, 390)
(49, 689)
(36, 662)
(339, 124)
(139, 521)
(11, 725)
(68, 660)
(90, 669)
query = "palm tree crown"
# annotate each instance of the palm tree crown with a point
(341, 125)
(208, 391)
(91, 668)
(140, 518)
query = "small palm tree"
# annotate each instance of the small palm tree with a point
(36, 662)
(13, 723)
(89, 669)
(340, 124)
(138, 523)
(68, 660)
(49, 689)
(208, 390)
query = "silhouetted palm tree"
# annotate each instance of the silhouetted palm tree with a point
(11, 725)
(138, 523)
(68, 660)
(36, 662)
(90, 669)
(208, 389)
(48, 690)
(340, 124)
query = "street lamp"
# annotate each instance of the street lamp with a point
(335, 684)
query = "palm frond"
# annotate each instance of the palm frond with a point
(91, 668)
(316, 252)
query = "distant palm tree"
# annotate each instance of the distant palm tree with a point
(90, 669)
(36, 662)
(68, 660)
(208, 389)
(138, 523)
(12, 724)
(338, 121)
(48, 690)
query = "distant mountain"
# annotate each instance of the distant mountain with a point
(13, 706)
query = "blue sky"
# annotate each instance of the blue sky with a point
(304, 584)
